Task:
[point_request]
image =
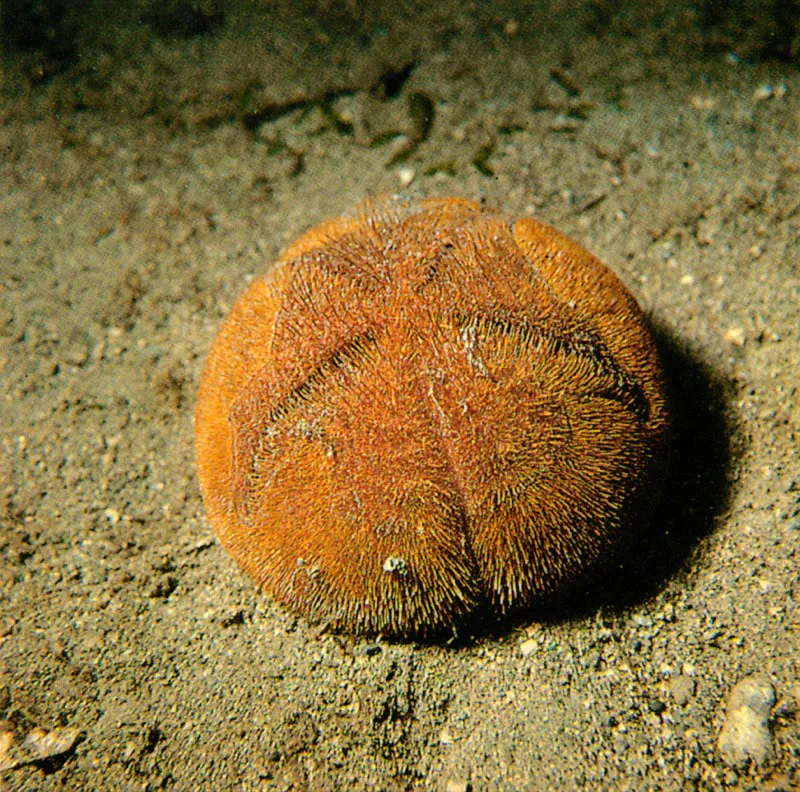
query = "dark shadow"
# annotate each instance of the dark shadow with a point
(49, 29)
(751, 30)
(699, 487)
(697, 490)
(183, 19)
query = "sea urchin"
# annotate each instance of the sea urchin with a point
(427, 408)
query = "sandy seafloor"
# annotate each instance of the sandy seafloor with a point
(155, 157)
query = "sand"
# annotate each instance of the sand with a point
(156, 157)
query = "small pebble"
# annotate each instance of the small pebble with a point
(37, 746)
(745, 734)
(763, 92)
(406, 176)
(736, 336)
(564, 123)
(681, 689)
(703, 102)
(527, 648)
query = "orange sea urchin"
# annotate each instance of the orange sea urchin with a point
(427, 408)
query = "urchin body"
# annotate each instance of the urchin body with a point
(425, 409)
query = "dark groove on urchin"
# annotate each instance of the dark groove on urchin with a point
(350, 356)
(582, 343)
(437, 417)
